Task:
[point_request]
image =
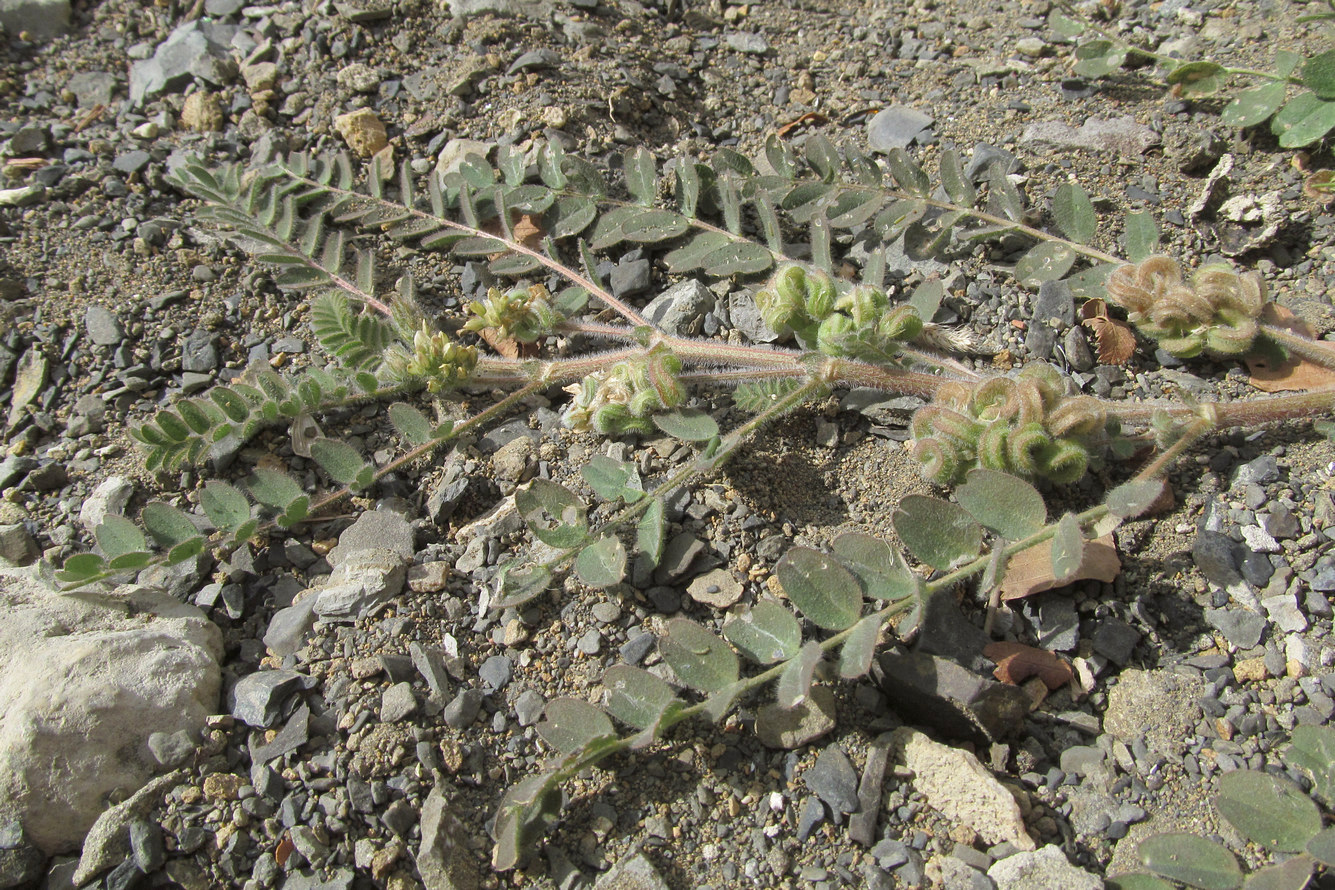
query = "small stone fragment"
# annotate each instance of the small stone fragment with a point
(958, 786)
(397, 702)
(833, 779)
(789, 728)
(203, 113)
(1046, 867)
(444, 858)
(718, 588)
(363, 131)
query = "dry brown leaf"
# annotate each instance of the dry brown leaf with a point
(1294, 374)
(1030, 571)
(814, 118)
(284, 850)
(1017, 662)
(1114, 341)
(528, 231)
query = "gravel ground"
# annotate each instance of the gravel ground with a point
(369, 748)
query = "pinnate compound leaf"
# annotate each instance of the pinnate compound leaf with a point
(1047, 261)
(880, 568)
(81, 567)
(651, 532)
(166, 525)
(412, 424)
(602, 563)
(1130, 499)
(1191, 859)
(687, 424)
(1313, 750)
(1268, 810)
(1068, 547)
(572, 723)
(519, 585)
(1004, 503)
(737, 258)
(525, 812)
(553, 513)
(274, 488)
(1074, 213)
(117, 536)
(1322, 847)
(953, 180)
(1142, 236)
(795, 681)
(1318, 74)
(342, 462)
(187, 549)
(1098, 58)
(766, 633)
(906, 171)
(1303, 120)
(938, 533)
(636, 697)
(1252, 107)
(1198, 78)
(856, 653)
(1292, 874)
(822, 590)
(700, 659)
(610, 478)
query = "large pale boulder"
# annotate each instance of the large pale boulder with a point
(85, 678)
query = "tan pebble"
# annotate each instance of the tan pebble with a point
(363, 131)
(1224, 728)
(191, 795)
(1296, 668)
(363, 668)
(515, 632)
(384, 860)
(202, 113)
(429, 577)
(222, 786)
(1250, 670)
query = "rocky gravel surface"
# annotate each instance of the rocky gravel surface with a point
(340, 709)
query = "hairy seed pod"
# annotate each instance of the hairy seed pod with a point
(953, 394)
(940, 462)
(991, 398)
(962, 431)
(1076, 416)
(1025, 447)
(1223, 340)
(1064, 461)
(992, 451)
(644, 403)
(777, 309)
(864, 303)
(662, 369)
(1185, 346)
(901, 324)
(790, 283)
(833, 334)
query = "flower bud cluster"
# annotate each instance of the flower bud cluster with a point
(623, 398)
(1029, 425)
(1216, 313)
(442, 363)
(524, 314)
(859, 323)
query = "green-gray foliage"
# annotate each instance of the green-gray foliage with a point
(794, 217)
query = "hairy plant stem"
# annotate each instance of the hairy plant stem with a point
(1315, 351)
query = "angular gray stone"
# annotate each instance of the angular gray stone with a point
(397, 702)
(288, 627)
(17, 544)
(171, 749)
(1284, 612)
(632, 873)
(103, 327)
(680, 310)
(463, 709)
(833, 779)
(1216, 555)
(935, 692)
(197, 48)
(1115, 640)
(362, 582)
(1240, 627)
(20, 862)
(375, 530)
(260, 699)
(896, 127)
(1054, 303)
(41, 19)
(746, 42)
(110, 496)
(495, 673)
(84, 680)
(444, 858)
(788, 728)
